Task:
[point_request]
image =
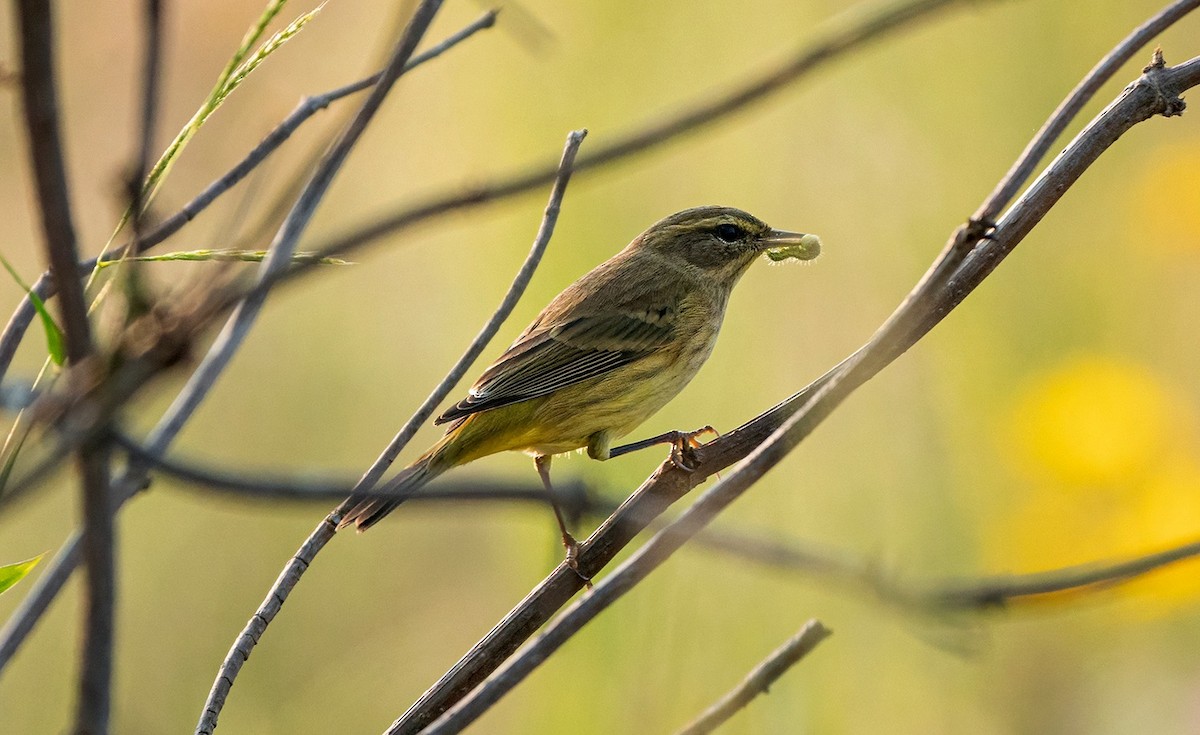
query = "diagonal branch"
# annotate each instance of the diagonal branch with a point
(321, 535)
(760, 678)
(566, 167)
(990, 593)
(1155, 93)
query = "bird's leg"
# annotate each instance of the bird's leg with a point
(569, 543)
(682, 443)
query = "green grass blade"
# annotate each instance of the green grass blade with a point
(271, 45)
(10, 461)
(247, 256)
(54, 335)
(10, 574)
(231, 76)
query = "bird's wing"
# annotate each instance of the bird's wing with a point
(553, 357)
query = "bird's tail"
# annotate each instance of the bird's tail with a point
(365, 510)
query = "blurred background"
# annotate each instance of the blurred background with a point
(1049, 421)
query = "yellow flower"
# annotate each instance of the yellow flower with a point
(1092, 421)
(1113, 474)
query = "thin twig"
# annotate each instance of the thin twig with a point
(964, 595)
(273, 211)
(576, 497)
(1156, 93)
(503, 311)
(300, 562)
(995, 592)
(145, 142)
(46, 588)
(760, 678)
(44, 286)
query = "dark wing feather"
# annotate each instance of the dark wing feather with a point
(547, 359)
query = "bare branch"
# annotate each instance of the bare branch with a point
(1156, 93)
(320, 536)
(150, 74)
(979, 226)
(575, 495)
(760, 678)
(503, 311)
(1001, 591)
(44, 286)
(49, 168)
(966, 595)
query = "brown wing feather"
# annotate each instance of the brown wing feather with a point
(545, 360)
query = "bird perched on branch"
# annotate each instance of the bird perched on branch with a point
(604, 355)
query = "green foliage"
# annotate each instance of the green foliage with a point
(10, 574)
(54, 335)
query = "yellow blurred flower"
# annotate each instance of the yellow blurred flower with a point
(1113, 474)
(1094, 420)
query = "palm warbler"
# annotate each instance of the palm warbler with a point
(607, 352)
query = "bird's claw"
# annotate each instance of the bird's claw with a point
(683, 448)
(572, 557)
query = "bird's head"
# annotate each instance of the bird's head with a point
(720, 243)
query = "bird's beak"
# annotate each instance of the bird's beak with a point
(782, 238)
(797, 245)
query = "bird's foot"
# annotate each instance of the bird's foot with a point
(572, 558)
(684, 445)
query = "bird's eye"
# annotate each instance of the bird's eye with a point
(729, 233)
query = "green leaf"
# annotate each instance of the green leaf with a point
(54, 335)
(230, 255)
(10, 574)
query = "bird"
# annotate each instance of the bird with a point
(603, 356)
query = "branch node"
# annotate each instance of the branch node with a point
(970, 233)
(1156, 61)
(1169, 102)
